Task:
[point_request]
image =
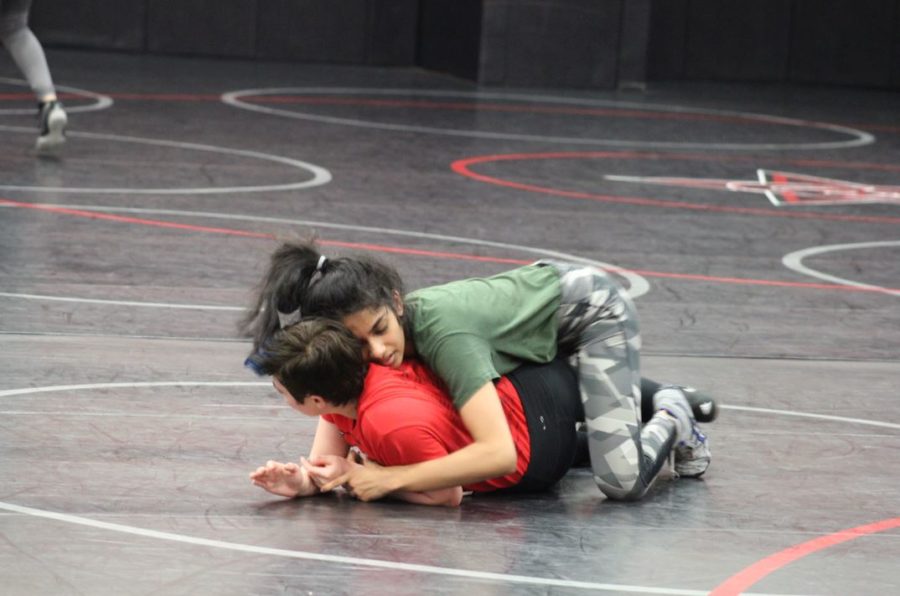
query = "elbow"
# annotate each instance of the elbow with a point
(454, 499)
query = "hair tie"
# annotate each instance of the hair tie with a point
(319, 272)
(288, 319)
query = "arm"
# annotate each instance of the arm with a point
(447, 497)
(290, 480)
(328, 441)
(285, 480)
(324, 468)
(492, 453)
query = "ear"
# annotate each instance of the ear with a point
(315, 401)
(398, 303)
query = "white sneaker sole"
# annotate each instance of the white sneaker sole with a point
(56, 127)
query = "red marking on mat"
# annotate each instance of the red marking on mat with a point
(742, 580)
(463, 167)
(262, 235)
(789, 197)
(428, 253)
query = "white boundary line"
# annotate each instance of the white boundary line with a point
(296, 554)
(828, 417)
(794, 261)
(320, 175)
(102, 101)
(233, 98)
(637, 284)
(353, 561)
(134, 385)
(119, 302)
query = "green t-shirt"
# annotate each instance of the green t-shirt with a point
(475, 330)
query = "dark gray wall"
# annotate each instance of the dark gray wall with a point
(844, 42)
(523, 43)
(378, 32)
(566, 43)
(598, 44)
(103, 24)
(450, 36)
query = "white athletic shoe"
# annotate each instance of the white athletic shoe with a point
(53, 126)
(691, 452)
(692, 456)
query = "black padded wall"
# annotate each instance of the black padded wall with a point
(895, 70)
(738, 39)
(338, 31)
(634, 38)
(450, 36)
(106, 24)
(514, 43)
(313, 30)
(202, 27)
(845, 42)
(668, 39)
(563, 43)
(331, 31)
(393, 32)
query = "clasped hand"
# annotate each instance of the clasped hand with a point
(364, 479)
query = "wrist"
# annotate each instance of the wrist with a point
(397, 478)
(308, 487)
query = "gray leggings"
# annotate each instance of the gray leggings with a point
(23, 46)
(598, 325)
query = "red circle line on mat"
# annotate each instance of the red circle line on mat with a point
(742, 580)
(425, 253)
(464, 168)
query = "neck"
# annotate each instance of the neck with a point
(347, 410)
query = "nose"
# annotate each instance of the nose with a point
(375, 349)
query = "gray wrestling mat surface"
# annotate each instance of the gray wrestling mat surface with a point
(758, 227)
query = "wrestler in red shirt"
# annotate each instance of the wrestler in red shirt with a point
(404, 416)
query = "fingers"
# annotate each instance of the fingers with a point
(342, 479)
(272, 470)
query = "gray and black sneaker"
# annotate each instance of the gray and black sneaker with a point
(691, 452)
(692, 455)
(53, 126)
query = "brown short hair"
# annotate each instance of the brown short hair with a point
(316, 357)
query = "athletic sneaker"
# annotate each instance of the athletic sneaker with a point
(691, 451)
(53, 126)
(692, 456)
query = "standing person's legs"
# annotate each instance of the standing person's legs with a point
(598, 323)
(27, 53)
(24, 47)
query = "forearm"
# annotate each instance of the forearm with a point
(328, 441)
(492, 452)
(448, 497)
(474, 463)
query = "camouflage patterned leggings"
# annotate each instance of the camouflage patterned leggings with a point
(598, 325)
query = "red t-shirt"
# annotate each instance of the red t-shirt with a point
(405, 416)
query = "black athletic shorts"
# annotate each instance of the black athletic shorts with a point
(552, 404)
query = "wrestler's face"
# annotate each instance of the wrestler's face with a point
(380, 331)
(307, 407)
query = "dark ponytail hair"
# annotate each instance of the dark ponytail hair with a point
(339, 287)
